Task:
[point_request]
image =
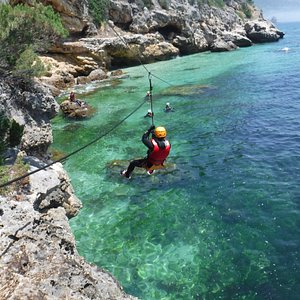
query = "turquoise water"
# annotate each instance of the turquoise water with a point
(223, 221)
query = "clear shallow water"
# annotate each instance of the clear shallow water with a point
(225, 223)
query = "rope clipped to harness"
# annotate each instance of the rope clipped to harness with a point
(150, 96)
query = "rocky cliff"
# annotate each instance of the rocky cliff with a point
(38, 255)
(147, 31)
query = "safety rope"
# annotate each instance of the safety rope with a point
(149, 73)
(74, 152)
(150, 96)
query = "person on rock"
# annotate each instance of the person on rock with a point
(72, 97)
(158, 151)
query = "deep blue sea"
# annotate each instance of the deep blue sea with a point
(222, 220)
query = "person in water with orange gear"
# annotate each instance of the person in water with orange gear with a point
(158, 150)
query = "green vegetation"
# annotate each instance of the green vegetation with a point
(30, 59)
(4, 128)
(26, 31)
(247, 10)
(98, 10)
(144, 3)
(18, 169)
(15, 133)
(10, 134)
(216, 3)
(165, 4)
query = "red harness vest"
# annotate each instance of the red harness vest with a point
(158, 156)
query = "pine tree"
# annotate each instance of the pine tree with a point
(24, 32)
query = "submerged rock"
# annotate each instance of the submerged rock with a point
(115, 166)
(38, 254)
(184, 90)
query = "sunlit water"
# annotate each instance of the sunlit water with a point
(222, 221)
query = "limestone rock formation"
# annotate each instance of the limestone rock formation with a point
(76, 110)
(158, 30)
(30, 105)
(153, 30)
(38, 255)
(262, 32)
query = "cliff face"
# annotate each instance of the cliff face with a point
(160, 30)
(39, 259)
(33, 107)
(38, 255)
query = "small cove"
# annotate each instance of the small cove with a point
(222, 224)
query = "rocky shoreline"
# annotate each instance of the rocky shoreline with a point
(136, 33)
(38, 255)
(38, 252)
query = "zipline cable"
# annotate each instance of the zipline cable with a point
(150, 96)
(74, 152)
(149, 73)
(138, 56)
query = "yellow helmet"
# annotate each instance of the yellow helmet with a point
(160, 132)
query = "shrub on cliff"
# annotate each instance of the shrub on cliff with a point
(8, 172)
(10, 134)
(165, 4)
(4, 127)
(216, 3)
(98, 10)
(24, 32)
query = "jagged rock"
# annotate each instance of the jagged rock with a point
(36, 139)
(240, 40)
(39, 259)
(98, 74)
(189, 26)
(59, 81)
(38, 255)
(261, 31)
(31, 105)
(51, 188)
(120, 12)
(189, 45)
(221, 46)
(160, 51)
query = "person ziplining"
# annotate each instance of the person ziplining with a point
(158, 151)
(158, 146)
